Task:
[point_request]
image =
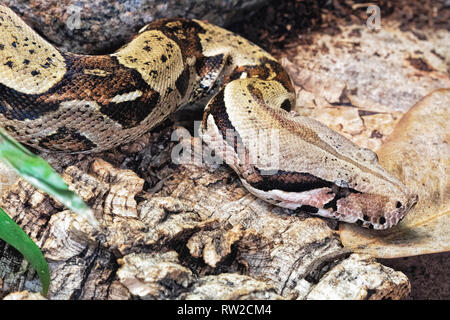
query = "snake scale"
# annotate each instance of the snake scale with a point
(60, 101)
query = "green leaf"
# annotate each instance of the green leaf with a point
(11, 233)
(40, 174)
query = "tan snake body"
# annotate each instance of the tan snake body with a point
(59, 101)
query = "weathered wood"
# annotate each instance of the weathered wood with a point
(201, 231)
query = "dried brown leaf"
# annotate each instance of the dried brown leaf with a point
(418, 152)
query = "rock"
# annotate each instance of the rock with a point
(231, 286)
(155, 275)
(24, 295)
(359, 278)
(86, 26)
(214, 245)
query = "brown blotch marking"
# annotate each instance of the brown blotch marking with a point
(153, 73)
(10, 129)
(339, 193)
(363, 113)
(206, 65)
(376, 134)
(286, 181)
(266, 70)
(24, 106)
(281, 75)
(437, 54)
(77, 85)
(309, 209)
(46, 65)
(257, 94)
(286, 105)
(67, 139)
(131, 113)
(420, 64)
(182, 83)
(217, 109)
(117, 79)
(184, 32)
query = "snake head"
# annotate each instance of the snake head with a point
(373, 210)
(373, 197)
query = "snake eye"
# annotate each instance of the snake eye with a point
(398, 205)
(368, 155)
(341, 183)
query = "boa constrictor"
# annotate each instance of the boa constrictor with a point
(59, 101)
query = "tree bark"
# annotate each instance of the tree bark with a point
(183, 232)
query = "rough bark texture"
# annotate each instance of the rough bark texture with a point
(199, 235)
(86, 26)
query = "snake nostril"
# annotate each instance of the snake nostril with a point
(398, 205)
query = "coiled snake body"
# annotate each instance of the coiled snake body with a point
(66, 102)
